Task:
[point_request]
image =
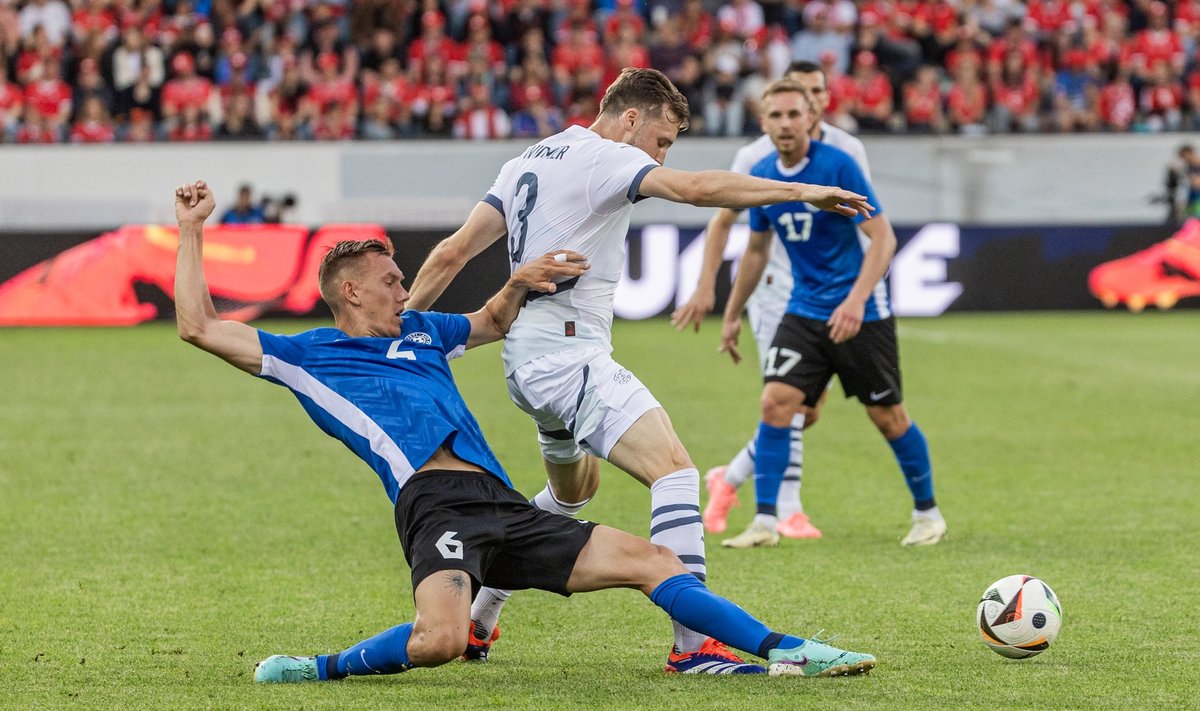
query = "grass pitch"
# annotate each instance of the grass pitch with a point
(167, 521)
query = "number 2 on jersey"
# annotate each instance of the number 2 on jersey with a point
(516, 241)
(789, 219)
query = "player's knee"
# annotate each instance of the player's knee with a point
(436, 646)
(778, 411)
(892, 421)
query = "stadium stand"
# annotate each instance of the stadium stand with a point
(98, 71)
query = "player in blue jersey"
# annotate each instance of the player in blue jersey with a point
(379, 381)
(838, 319)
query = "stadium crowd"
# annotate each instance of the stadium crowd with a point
(95, 71)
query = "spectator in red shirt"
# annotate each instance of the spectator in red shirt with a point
(94, 125)
(96, 17)
(579, 54)
(481, 119)
(1117, 104)
(480, 44)
(36, 128)
(1015, 38)
(922, 95)
(141, 127)
(331, 88)
(433, 42)
(625, 14)
(1161, 100)
(190, 126)
(967, 102)
(1049, 15)
(1015, 96)
(337, 123)
(872, 102)
(187, 91)
(50, 96)
(696, 24)
(1156, 44)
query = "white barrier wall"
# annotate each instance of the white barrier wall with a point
(1091, 179)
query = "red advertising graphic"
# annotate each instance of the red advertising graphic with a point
(1160, 275)
(250, 270)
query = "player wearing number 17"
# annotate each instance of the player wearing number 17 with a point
(838, 319)
(576, 190)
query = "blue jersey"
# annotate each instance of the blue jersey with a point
(392, 401)
(824, 247)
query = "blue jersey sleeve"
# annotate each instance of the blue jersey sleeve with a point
(453, 328)
(759, 222)
(289, 349)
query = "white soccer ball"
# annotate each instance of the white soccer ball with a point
(1019, 616)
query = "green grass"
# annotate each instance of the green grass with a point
(167, 521)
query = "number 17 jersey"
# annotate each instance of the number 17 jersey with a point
(574, 190)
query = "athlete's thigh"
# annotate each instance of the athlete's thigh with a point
(798, 357)
(613, 559)
(869, 364)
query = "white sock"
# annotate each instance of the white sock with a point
(741, 467)
(546, 502)
(485, 610)
(675, 523)
(932, 514)
(766, 520)
(788, 501)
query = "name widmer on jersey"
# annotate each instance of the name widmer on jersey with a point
(543, 151)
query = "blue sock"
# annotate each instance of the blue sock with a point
(773, 449)
(912, 452)
(693, 605)
(385, 653)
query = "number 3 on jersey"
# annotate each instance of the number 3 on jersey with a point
(789, 222)
(516, 241)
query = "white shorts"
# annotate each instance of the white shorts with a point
(581, 399)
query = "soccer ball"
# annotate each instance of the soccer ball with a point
(1019, 616)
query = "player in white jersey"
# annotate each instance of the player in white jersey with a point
(766, 308)
(577, 188)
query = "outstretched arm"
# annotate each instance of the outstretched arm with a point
(492, 322)
(716, 236)
(195, 314)
(754, 261)
(847, 318)
(484, 226)
(722, 188)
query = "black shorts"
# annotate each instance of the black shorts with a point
(473, 522)
(868, 365)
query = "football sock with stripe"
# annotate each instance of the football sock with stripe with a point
(385, 653)
(688, 601)
(912, 453)
(788, 501)
(675, 523)
(771, 461)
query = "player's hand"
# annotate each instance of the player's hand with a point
(729, 339)
(837, 200)
(193, 202)
(846, 320)
(542, 273)
(693, 312)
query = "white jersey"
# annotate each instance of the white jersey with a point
(574, 190)
(776, 280)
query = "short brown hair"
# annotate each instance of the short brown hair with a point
(783, 86)
(646, 90)
(341, 257)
